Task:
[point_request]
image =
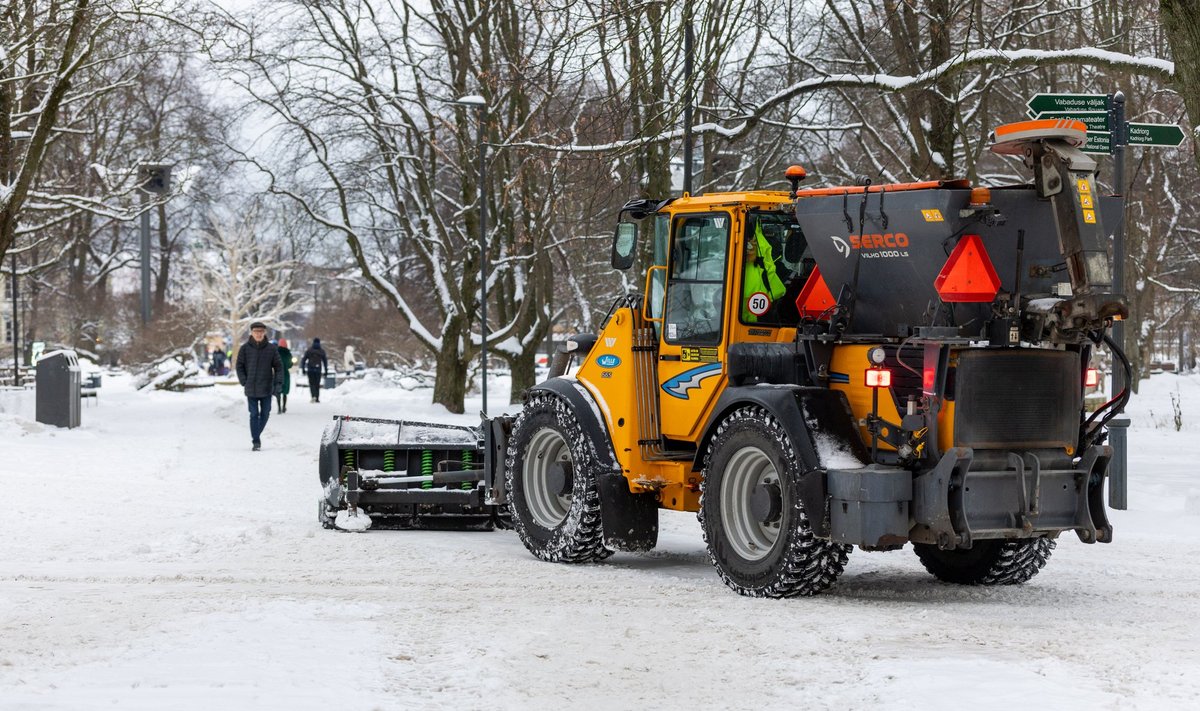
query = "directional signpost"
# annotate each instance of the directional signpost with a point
(1095, 120)
(1074, 103)
(1155, 134)
(1096, 112)
(1092, 109)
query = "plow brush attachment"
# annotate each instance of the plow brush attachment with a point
(400, 474)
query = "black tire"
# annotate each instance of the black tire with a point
(557, 525)
(323, 514)
(987, 562)
(757, 554)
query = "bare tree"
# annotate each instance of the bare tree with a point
(46, 48)
(360, 94)
(243, 276)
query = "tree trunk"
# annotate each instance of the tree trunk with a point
(523, 374)
(450, 383)
(164, 261)
(1181, 21)
(942, 109)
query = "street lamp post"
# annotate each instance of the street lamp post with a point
(14, 321)
(15, 329)
(154, 178)
(478, 103)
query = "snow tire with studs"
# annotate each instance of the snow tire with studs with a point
(550, 470)
(754, 523)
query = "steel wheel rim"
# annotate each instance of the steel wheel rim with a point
(748, 468)
(548, 507)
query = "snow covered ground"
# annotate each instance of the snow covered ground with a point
(150, 560)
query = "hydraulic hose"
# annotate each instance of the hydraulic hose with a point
(1115, 406)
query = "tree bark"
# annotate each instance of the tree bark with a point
(164, 261)
(450, 381)
(1181, 21)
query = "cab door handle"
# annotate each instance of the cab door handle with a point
(669, 357)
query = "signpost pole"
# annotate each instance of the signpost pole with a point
(144, 253)
(1117, 485)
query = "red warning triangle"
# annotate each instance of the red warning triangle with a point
(815, 299)
(968, 274)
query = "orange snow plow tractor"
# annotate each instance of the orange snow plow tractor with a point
(811, 371)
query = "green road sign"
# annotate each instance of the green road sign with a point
(1041, 103)
(1155, 134)
(1098, 142)
(1094, 120)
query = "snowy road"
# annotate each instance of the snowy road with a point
(149, 560)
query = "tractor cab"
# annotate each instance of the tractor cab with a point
(726, 271)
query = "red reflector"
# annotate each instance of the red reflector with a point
(968, 274)
(815, 299)
(879, 378)
(1092, 378)
(927, 378)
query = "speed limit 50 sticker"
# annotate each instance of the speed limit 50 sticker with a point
(758, 303)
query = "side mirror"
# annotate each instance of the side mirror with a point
(624, 242)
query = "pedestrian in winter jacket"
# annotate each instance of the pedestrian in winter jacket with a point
(315, 363)
(285, 355)
(260, 371)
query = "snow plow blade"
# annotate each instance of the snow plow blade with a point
(403, 474)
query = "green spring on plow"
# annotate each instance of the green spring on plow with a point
(389, 460)
(427, 467)
(468, 460)
(347, 461)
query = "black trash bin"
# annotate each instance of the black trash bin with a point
(330, 382)
(58, 383)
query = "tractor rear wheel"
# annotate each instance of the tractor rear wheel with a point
(551, 477)
(987, 562)
(757, 531)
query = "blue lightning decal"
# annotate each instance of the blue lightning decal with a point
(690, 379)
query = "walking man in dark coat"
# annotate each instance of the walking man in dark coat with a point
(313, 363)
(260, 371)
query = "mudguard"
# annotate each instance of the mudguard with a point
(806, 413)
(630, 521)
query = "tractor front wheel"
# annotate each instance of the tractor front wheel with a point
(551, 477)
(757, 531)
(987, 562)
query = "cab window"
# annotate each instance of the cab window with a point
(695, 284)
(776, 263)
(662, 236)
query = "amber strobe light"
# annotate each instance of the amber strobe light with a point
(980, 197)
(878, 378)
(1091, 378)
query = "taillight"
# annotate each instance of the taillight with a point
(1091, 378)
(878, 378)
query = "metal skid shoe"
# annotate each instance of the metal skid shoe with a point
(400, 474)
